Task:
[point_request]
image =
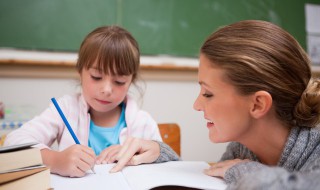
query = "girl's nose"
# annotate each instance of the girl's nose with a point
(106, 88)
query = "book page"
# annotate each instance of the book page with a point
(175, 173)
(102, 180)
(17, 147)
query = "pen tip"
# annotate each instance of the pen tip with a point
(92, 169)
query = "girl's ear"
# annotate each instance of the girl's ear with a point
(262, 103)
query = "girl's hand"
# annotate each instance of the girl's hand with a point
(72, 162)
(136, 151)
(219, 169)
(108, 155)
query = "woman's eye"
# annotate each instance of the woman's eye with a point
(95, 77)
(207, 95)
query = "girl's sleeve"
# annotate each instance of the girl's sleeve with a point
(43, 129)
(166, 153)
(140, 123)
(152, 128)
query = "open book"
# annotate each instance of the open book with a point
(147, 176)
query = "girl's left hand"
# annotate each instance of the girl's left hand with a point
(219, 169)
(108, 155)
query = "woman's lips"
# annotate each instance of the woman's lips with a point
(210, 124)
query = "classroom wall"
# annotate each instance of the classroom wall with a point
(165, 100)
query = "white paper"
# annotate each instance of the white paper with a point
(142, 177)
(175, 173)
(102, 180)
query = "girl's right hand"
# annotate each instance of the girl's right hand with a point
(136, 151)
(71, 162)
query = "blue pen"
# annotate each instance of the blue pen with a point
(55, 103)
(65, 121)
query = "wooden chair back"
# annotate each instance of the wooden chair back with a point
(170, 133)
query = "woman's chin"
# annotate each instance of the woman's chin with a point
(215, 139)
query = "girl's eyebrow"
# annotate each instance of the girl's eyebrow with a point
(96, 69)
(93, 68)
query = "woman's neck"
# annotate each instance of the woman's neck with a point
(267, 141)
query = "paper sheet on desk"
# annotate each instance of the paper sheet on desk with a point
(146, 176)
(102, 180)
(175, 173)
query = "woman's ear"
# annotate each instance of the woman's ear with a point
(261, 104)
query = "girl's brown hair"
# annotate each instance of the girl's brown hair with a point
(113, 49)
(259, 55)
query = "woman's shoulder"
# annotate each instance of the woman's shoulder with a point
(310, 133)
(315, 129)
(238, 150)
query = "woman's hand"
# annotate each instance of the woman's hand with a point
(108, 155)
(219, 169)
(72, 162)
(136, 151)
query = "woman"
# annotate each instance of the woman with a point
(257, 93)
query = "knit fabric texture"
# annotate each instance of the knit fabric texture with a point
(166, 153)
(298, 167)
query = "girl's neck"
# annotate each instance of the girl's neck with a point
(106, 119)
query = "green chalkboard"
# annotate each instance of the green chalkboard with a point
(169, 27)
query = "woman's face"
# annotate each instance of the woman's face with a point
(226, 111)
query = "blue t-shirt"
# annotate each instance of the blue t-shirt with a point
(102, 137)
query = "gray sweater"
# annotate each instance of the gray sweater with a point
(298, 167)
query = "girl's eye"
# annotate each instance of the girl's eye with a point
(95, 77)
(120, 83)
(207, 95)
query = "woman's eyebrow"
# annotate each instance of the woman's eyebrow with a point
(202, 83)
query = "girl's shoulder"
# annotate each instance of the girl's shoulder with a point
(71, 98)
(72, 101)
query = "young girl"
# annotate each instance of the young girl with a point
(102, 116)
(258, 94)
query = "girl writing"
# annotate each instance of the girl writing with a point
(103, 115)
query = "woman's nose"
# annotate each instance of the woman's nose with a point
(196, 104)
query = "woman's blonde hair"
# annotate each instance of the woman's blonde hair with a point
(259, 55)
(114, 50)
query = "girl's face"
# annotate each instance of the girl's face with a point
(226, 111)
(103, 92)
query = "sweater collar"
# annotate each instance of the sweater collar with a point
(300, 144)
